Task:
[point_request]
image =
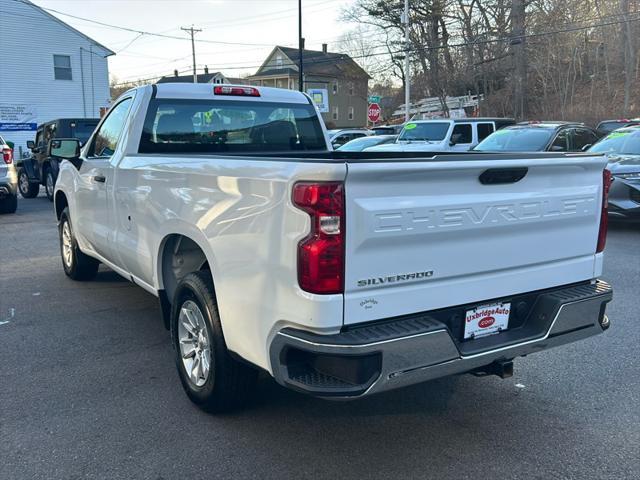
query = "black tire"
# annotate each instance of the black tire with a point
(9, 204)
(79, 266)
(49, 183)
(27, 189)
(229, 382)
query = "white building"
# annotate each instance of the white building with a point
(48, 70)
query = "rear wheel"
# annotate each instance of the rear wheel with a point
(49, 183)
(76, 264)
(27, 188)
(210, 376)
(9, 204)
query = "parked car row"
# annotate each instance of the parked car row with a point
(619, 139)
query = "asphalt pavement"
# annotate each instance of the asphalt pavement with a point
(89, 389)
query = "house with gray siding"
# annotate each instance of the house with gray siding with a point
(48, 70)
(338, 85)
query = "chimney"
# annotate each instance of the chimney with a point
(324, 48)
(175, 73)
(206, 69)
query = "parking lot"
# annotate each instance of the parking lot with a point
(89, 389)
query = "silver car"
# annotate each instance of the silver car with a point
(622, 147)
(8, 180)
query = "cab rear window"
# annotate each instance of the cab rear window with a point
(213, 126)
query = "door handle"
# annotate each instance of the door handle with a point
(497, 176)
(99, 178)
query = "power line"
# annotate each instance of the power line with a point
(133, 30)
(423, 47)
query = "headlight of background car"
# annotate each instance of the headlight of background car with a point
(628, 176)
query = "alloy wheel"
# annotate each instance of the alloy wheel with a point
(195, 346)
(67, 251)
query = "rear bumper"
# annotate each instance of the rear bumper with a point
(416, 348)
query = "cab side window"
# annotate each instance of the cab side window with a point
(583, 137)
(561, 142)
(39, 139)
(106, 138)
(484, 130)
(462, 133)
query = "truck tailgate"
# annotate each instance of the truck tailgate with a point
(423, 235)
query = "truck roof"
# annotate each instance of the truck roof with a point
(204, 91)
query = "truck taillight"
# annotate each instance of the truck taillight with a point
(236, 91)
(604, 215)
(7, 155)
(321, 253)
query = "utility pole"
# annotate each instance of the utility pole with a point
(519, 51)
(300, 48)
(193, 31)
(407, 64)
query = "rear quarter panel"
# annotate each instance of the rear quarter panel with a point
(239, 211)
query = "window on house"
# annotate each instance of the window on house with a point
(279, 61)
(350, 113)
(335, 87)
(335, 113)
(351, 88)
(62, 67)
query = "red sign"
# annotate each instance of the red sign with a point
(486, 322)
(374, 112)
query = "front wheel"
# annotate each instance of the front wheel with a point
(27, 188)
(49, 183)
(76, 264)
(211, 377)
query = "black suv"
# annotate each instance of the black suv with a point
(41, 168)
(540, 137)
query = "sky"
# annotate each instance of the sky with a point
(260, 23)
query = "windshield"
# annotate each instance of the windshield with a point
(431, 132)
(211, 126)
(622, 142)
(516, 140)
(360, 144)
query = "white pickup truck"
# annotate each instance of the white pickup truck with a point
(340, 274)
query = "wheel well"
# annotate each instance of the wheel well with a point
(180, 256)
(60, 203)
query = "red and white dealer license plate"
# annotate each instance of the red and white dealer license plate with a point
(486, 320)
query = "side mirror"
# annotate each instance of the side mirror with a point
(455, 138)
(31, 145)
(586, 147)
(557, 148)
(68, 148)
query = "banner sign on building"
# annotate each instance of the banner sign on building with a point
(16, 117)
(320, 97)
